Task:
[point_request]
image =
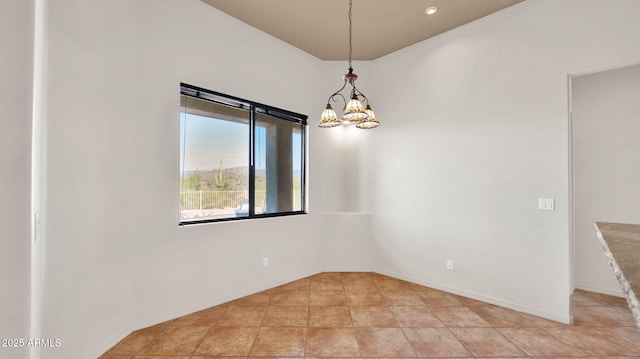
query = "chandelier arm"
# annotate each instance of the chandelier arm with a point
(359, 93)
(332, 97)
(366, 100)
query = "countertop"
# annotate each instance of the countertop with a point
(621, 244)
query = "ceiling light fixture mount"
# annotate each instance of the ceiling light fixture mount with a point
(431, 10)
(354, 111)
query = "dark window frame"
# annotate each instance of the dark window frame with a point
(253, 108)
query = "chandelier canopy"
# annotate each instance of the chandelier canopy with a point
(353, 111)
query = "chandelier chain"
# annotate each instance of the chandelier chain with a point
(350, 27)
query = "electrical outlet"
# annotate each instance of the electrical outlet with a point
(449, 264)
(265, 262)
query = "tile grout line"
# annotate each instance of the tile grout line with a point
(259, 326)
(306, 334)
(465, 305)
(353, 326)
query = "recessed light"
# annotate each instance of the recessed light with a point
(431, 10)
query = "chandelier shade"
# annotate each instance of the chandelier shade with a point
(329, 118)
(370, 122)
(354, 110)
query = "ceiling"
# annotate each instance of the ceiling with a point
(321, 27)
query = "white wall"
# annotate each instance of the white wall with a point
(475, 131)
(16, 20)
(179, 270)
(115, 258)
(606, 166)
(346, 242)
(89, 206)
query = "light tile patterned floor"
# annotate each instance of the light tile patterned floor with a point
(367, 315)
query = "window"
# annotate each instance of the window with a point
(238, 158)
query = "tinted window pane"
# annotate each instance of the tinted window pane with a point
(214, 160)
(278, 165)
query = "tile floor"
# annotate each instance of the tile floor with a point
(367, 315)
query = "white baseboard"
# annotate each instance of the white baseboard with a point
(556, 317)
(108, 344)
(219, 300)
(601, 290)
(350, 269)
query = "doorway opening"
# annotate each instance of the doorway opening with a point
(604, 167)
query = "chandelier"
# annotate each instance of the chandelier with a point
(353, 111)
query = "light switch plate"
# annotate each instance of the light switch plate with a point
(546, 204)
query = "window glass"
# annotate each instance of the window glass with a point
(238, 159)
(278, 165)
(214, 160)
